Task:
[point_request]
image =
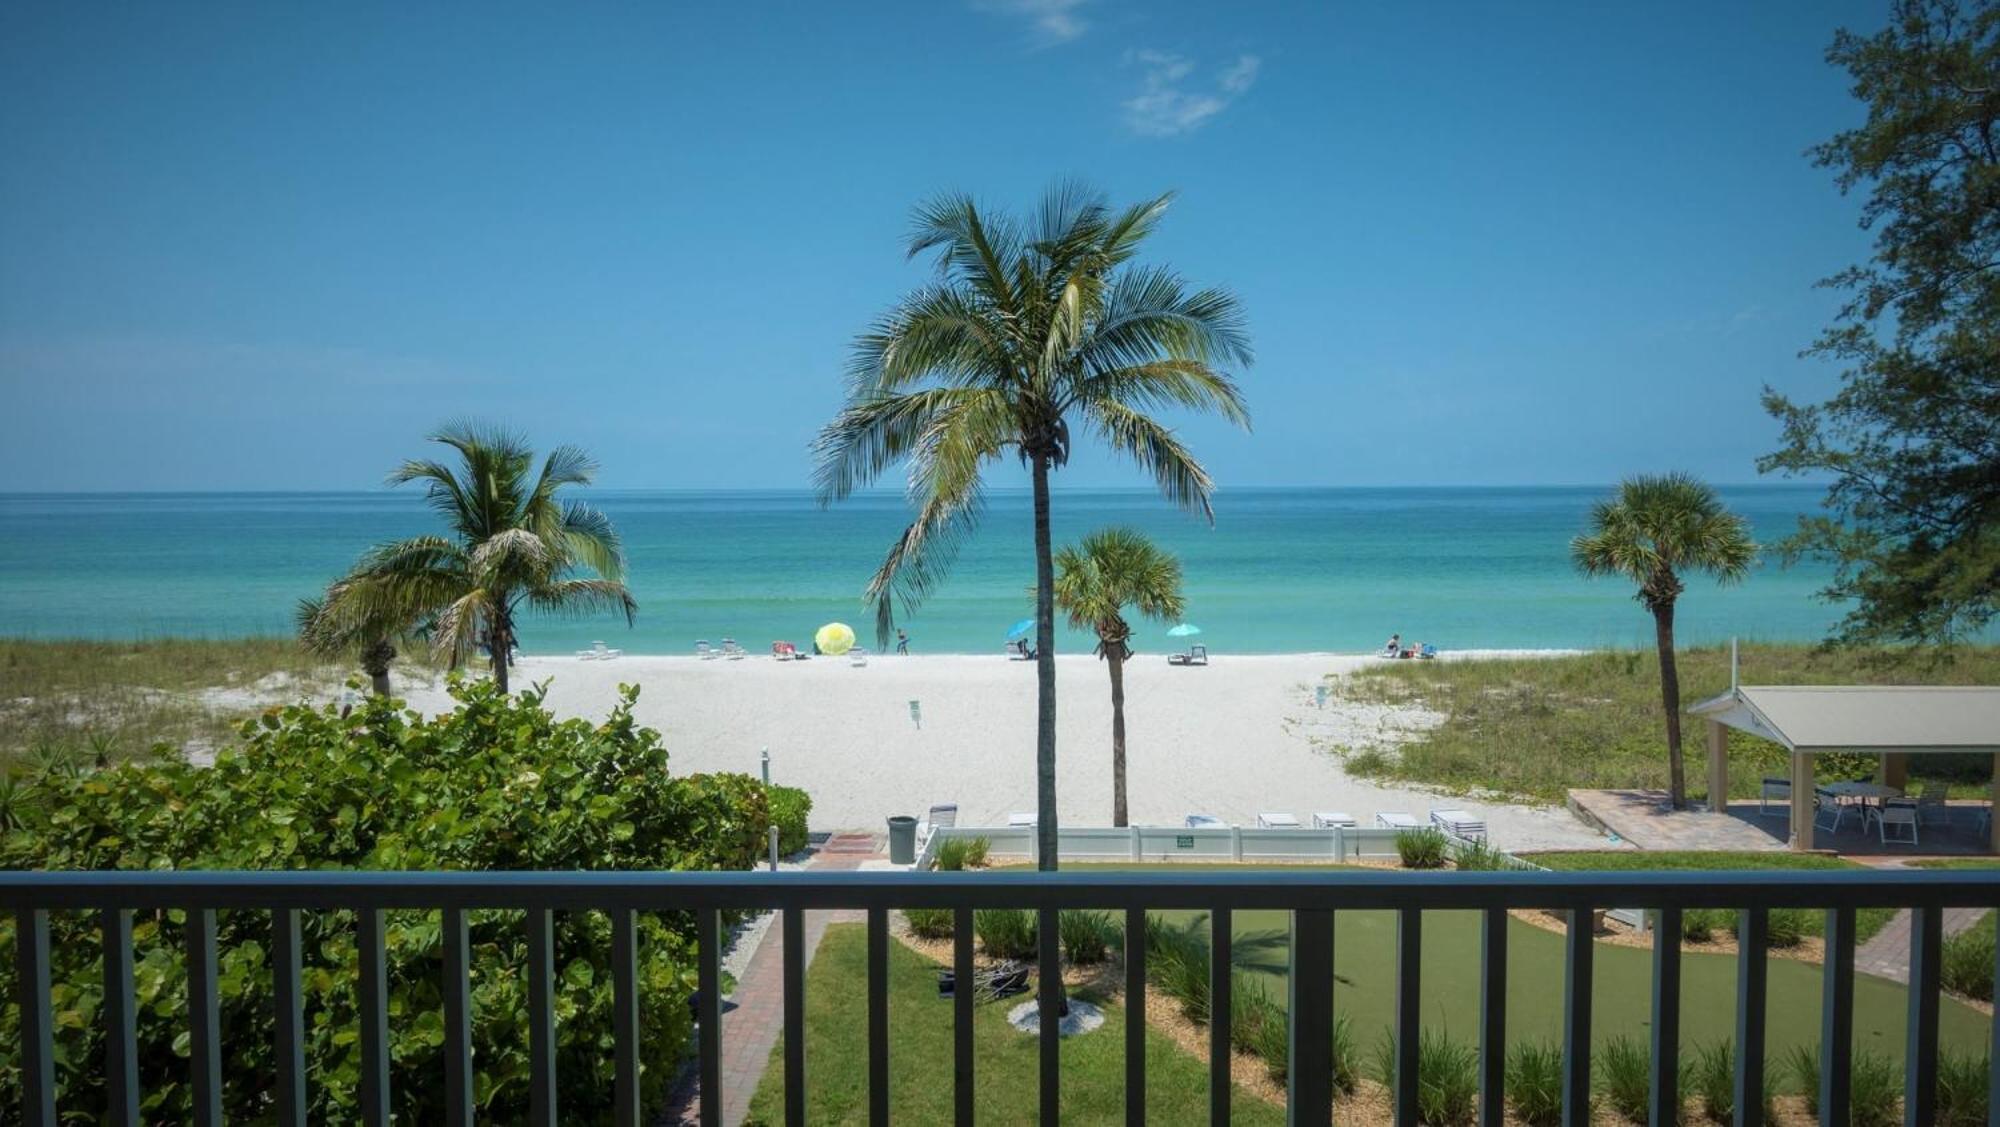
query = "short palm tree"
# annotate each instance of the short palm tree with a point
(514, 545)
(1095, 581)
(1031, 333)
(1652, 531)
(334, 627)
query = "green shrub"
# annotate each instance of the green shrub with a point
(1177, 962)
(1258, 1025)
(1476, 856)
(956, 853)
(789, 809)
(1086, 936)
(498, 784)
(1874, 1085)
(1624, 1077)
(1447, 1077)
(1967, 966)
(929, 923)
(1425, 848)
(1006, 933)
(1534, 1082)
(1712, 1076)
(1699, 925)
(1961, 1089)
(1786, 927)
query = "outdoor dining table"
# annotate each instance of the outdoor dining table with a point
(1863, 793)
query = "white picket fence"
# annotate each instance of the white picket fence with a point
(1173, 843)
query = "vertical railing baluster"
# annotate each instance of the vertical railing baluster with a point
(542, 1018)
(288, 1015)
(625, 1015)
(204, 1018)
(1920, 1057)
(1309, 1077)
(457, 1018)
(794, 924)
(374, 1018)
(1409, 994)
(1049, 1001)
(1578, 969)
(708, 1011)
(1221, 926)
(1753, 931)
(1135, 1016)
(1993, 1051)
(1836, 1013)
(878, 1017)
(121, 1026)
(1666, 1085)
(38, 1047)
(1493, 1018)
(963, 993)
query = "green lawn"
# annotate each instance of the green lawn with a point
(1539, 726)
(1867, 921)
(920, 1025)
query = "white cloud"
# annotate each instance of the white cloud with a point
(1052, 21)
(1166, 107)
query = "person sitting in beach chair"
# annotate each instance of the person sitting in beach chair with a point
(1020, 650)
(1426, 650)
(1393, 647)
(784, 651)
(1196, 655)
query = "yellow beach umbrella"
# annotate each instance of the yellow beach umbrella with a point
(834, 638)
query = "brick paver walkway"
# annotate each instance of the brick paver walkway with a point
(1888, 953)
(755, 1014)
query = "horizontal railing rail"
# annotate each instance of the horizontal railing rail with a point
(1311, 896)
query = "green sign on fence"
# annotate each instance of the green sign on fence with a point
(1183, 841)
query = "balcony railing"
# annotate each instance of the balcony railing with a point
(1312, 898)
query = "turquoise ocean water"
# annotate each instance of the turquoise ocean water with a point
(1282, 570)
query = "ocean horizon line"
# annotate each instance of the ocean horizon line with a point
(1022, 491)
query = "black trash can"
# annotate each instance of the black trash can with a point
(902, 840)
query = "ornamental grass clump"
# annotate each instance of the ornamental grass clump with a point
(1086, 936)
(1874, 1085)
(498, 784)
(1967, 965)
(1447, 1077)
(1961, 1089)
(929, 923)
(1534, 1082)
(1424, 848)
(956, 853)
(1006, 933)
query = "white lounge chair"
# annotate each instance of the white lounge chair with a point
(784, 651)
(1205, 822)
(942, 815)
(1825, 804)
(598, 652)
(1774, 789)
(1396, 820)
(1460, 823)
(1277, 820)
(1195, 655)
(1019, 819)
(733, 651)
(1901, 814)
(1334, 818)
(857, 657)
(704, 651)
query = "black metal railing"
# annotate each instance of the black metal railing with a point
(1312, 898)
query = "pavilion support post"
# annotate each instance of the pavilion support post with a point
(1895, 769)
(1993, 822)
(1802, 801)
(1718, 767)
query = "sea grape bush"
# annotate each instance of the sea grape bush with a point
(497, 784)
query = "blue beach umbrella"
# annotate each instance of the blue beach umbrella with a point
(1020, 628)
(1184, 630)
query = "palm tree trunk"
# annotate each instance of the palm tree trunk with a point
(376, 658)
(379, 682)
(1670, 700)
(500, 638)
(1045, 674)
(1117, 663)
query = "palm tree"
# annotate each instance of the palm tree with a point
(334, 627)
(1652, 531)
(1030, 329)
(1095, 581)
(514, 544)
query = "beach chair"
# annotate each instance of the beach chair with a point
(704, 651)
(1018, 650)
(1020, 819)
(1205, 822)
(1334, 819)
(1777, 790)
(1898, 812)
(598, 652)
(784, 651)
(1459, 823)
(732, 651)
(1828, 811)
(857, 657)
(1277, 820)
(942, 815)
(1196, 655)
(587, 655)
(1396, 820)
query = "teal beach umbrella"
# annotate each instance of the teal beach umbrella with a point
(1020, 628)
(1184, 630)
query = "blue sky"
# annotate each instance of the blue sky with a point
(267, 246)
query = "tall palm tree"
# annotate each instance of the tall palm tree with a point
(1030, 329)
(1652, 531)
(514, 545)
(1095, 581)
(335, 627)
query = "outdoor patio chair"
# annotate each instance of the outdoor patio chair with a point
(1277, 820)
(731, 650)
(1825, 806)
(1333, 818)
(1459, 823)
(1396, 820)
(1774, 789)
(942, 815)
(1931, 804)
(1195, 655)
(1020, 819)
(857, 657)
(703, 650)
(1899, 813)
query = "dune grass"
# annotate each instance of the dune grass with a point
(920, 1025)
(122, 698)
(1535, 727)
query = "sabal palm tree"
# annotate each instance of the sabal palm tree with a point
(336, 627)
(1032, 332)
(514, 545)
(1654, 530)
(1095, 581)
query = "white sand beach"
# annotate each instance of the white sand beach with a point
(1230, 739)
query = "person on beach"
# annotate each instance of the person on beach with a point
(1394, 647)
(902, 642)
